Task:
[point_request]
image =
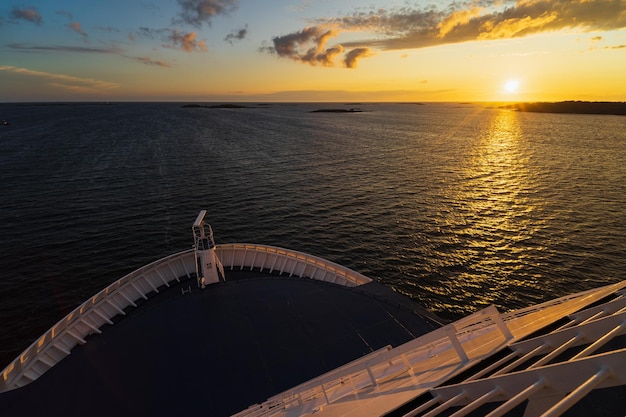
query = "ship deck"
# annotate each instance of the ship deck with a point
(221, 349)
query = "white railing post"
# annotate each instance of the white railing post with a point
(325, 396)
(371, 374)
(518, 398)
(576, 395)
(497, 318)
(450, 331)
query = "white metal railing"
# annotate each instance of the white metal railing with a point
(534, 315)
(568, 382)
(87, 318)
(284, 261)
(456, 342)
(471, 338)
(98, 310)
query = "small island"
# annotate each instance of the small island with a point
(214, 106)
(337, 111)
(574, 107)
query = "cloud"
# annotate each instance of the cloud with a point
(66, 14)
(75, 26)
(486, 20)
(236, 35)
(457, 18)
(30, 14)
(302, 6)
(175, 39)
(63, 48)
(354, 55)
(307, 46)
(287, 45)
(162, 34)
(109, 29)
(64, 81)
(186, 41)
(462, 21)
(198, 12)
(149, 61)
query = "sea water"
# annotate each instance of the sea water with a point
(457, 206)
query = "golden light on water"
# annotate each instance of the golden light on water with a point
(492, 215)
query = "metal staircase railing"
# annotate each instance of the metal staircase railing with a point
(563, 384)
(432, 359)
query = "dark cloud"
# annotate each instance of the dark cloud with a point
(149, 61)
(354, 55)
(287, 45)
(199, 12)
(153, 33)
(66, 14)
(307, 45)
(63, 48)
(323, 57)
(30, 14)
(236, 35)
(109, 29)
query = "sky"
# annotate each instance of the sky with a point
(313, 50)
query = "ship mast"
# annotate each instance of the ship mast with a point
(209, 269)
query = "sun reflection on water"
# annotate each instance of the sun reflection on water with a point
(493, 216)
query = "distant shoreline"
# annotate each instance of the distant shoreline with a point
(564, 107)
(572, 107)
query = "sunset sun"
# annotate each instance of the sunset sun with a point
(511, 86)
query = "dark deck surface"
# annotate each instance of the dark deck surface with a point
(217, 351)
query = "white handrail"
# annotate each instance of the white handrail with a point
(361, 374)
(86, 319)
(275, 259)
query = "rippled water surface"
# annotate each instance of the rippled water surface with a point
(457, 206)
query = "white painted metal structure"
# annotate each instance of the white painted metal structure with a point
(209, 269)
(534, 370)
(273, 259)
(145, 282)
